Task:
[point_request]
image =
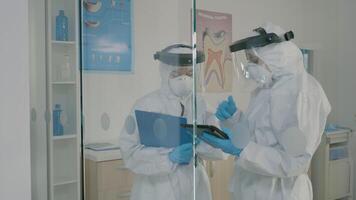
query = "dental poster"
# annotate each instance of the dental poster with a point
(214, 35)
(107, 38)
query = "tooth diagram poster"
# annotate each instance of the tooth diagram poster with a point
(214, 35)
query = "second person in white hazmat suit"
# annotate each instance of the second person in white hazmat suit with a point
(284, 121)
(158, 175)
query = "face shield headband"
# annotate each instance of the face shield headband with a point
(260, 40)
(178, 59)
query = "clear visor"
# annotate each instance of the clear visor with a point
(241, 60)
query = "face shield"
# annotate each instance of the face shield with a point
(178, 61)
(178, 55)
(248, 65)
(181, 71)
(241, 61)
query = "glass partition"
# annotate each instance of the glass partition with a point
(150, 67)
(215, 81)
(161, 99)
(137, 80)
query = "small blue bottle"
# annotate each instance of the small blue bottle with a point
(57, 125)
(61, 26)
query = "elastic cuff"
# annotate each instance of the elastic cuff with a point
(165, 164)
(234, 118)
(245, 151)
(238, 152)
(237, 116)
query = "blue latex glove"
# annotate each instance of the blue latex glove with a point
(182, 154)
(226, 109)
(223, 144)
(197, 140)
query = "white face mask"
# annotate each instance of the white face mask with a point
(181, 86)
(259, 74)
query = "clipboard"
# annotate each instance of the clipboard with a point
(161, 130)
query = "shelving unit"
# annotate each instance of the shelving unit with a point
(55, 42)
(64, 150)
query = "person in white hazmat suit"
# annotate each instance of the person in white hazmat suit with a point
(283, 124)
(165, 173)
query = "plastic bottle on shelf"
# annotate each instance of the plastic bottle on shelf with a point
(66, 71)
(61, 26)
(57, 125)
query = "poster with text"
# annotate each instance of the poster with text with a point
(107, 35)
(214, 35)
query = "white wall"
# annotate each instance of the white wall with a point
(346, 70)
(15, 168)
(158, 23)
(305, 18)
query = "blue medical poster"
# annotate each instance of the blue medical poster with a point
(107, 38)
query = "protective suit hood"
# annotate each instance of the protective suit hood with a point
(284, 59)
(166, 69)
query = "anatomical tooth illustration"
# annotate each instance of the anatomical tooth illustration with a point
(91, 6)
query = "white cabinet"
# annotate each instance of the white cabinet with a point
(220, 173)
(332, 167)
(107, 180)
(63, 88)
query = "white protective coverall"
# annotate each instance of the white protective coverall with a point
(156, 177)
(286, 121)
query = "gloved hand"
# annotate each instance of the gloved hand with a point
(225, 145)
(182, 154)
(190, 133)
(226, 109)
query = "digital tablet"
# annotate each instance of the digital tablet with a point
(209, 129)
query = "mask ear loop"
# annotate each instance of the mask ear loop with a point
(263, 64)
(268, 69)
(260, 61)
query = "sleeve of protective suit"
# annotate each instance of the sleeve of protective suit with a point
(298, 126)
(206, 151)
(145, 160)
(141, 159)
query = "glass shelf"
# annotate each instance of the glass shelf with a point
(63, 42)
(64, 83)
(64, 181)
(64, 137)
